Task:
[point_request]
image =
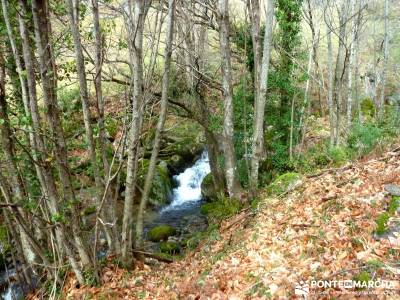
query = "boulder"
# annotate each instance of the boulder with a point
(161, 187)
(392, 189)
(161, 233)
(207, 188)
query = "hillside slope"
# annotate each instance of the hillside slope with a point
(321, 230)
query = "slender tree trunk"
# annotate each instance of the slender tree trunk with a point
(350, 68)
(254, 11)
(136, 49)
(73, 13)
(232, 182)
(258, 132)
(381, 107)
(110, 213)
(330, 85)
(48, 73)
(160, 124)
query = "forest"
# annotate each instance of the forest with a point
(199, 149)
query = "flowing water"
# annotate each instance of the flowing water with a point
(181, 213)
(186, 196)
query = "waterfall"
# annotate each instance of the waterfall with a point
(189, 181)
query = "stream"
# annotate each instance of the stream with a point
(182, 213)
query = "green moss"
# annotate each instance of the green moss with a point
(381, 223)
(170, 248)
(161, 185)
(221, 209)
(207, 188)
(89, 210)
(160, 233)
(282, 183)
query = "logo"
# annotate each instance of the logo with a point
(302, 288)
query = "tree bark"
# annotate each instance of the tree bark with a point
(330, 84)
(232, 182)
(135, 29)
(258, 131)
(48, 76)
(160, 124)
(381, 102)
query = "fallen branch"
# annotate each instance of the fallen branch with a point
(153, 255)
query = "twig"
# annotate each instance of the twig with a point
(153, 255)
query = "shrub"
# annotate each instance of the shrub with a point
(367, 107)
(363, 138)
(282, 183)
(169, 248)
(338, 155)
(381, 223)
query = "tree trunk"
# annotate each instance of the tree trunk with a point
(330, 85)
(232, 182)
(381, 103)
(258, 132)
(110, 212)
(48, 76)
(350, 69)
(160, 124)
(136, 49)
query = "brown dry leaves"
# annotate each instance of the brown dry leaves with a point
(322, 230)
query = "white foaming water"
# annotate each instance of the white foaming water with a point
(189, 183)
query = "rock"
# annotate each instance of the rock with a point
(161, 233)
(392, 189)
(161, 186)
(170, 247)
(196, 224)
(207, 188)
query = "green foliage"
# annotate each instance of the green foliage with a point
(243, 122)
(367, 107)
(375, 264)
(170, 248)
(381, 223)
(282, 183)
(364, 137)
(338, 155)
(58, 218)
(393, 204)
(362, 277)
(161, 232)
(89, 210)
(221, 209)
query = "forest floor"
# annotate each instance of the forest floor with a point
(323, 229)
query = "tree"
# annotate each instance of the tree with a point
(226, 70)
(160, 123)
(259, 103)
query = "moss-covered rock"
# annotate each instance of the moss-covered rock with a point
(284, 183)
(207, 188)
(182, 145)
(161, 186)
(170, 248)
(161, 233)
